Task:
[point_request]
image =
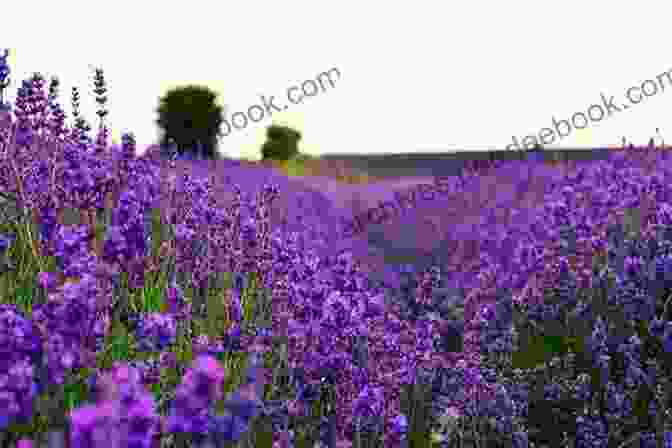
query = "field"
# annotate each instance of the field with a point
(148, 302)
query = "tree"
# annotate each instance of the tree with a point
(281, 143)
(189, 117)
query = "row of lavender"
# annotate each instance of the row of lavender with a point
(48, 171)
(569, 308)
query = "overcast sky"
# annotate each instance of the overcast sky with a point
(414, 76)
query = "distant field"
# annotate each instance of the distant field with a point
(432, 222)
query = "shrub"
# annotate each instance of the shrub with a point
(281, 143)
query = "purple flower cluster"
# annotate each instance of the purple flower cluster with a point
(155, 332)
(19, 349)
(126, 418)
(602, 290)
(125, 413)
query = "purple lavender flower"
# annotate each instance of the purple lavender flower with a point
(155, 332)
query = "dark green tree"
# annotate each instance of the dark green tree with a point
(281, 143)
(190, 118)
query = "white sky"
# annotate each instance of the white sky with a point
(415, 76)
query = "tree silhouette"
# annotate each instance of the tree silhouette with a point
(190, 118)
(281, 143)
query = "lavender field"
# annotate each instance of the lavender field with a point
(147, 302)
